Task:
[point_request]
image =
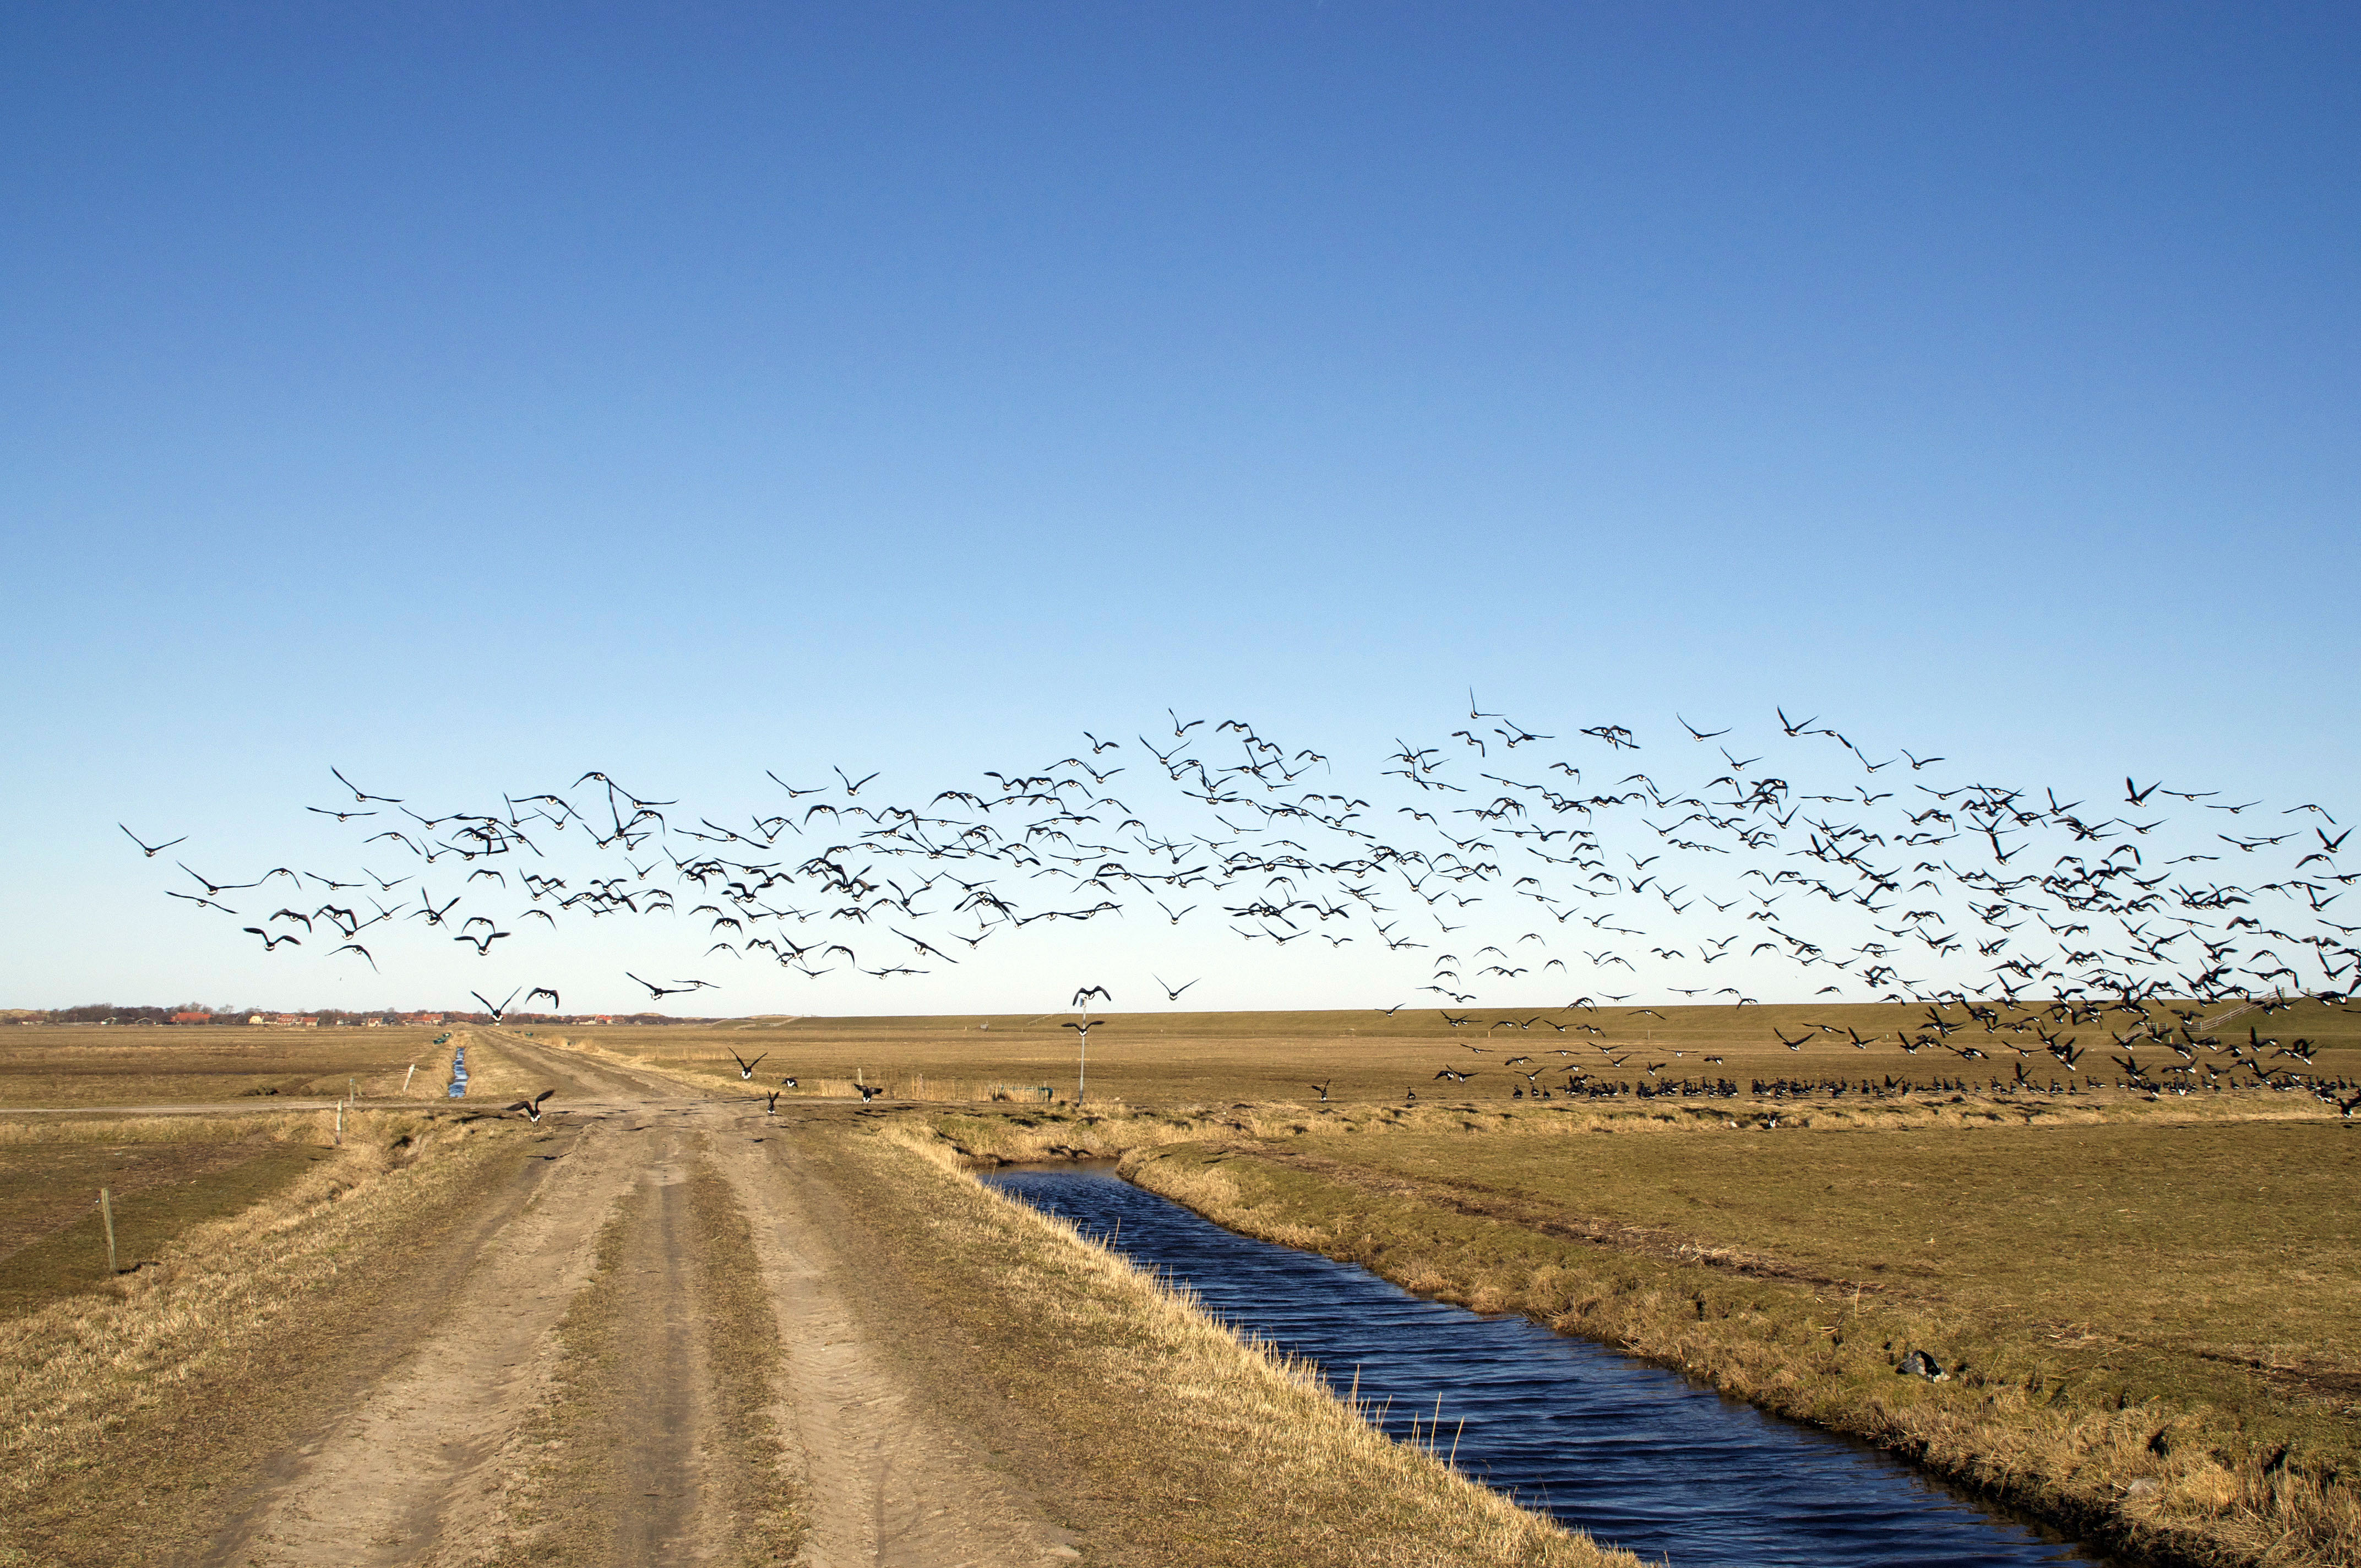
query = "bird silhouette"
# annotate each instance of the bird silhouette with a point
(152, 850)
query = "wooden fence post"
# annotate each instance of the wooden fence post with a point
(106, 1213)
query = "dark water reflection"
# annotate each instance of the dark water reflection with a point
(1637, 1456)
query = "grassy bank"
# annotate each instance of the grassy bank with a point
(1165, 1438)
(2151, 1325)
(164, 1177)
(125, 1410)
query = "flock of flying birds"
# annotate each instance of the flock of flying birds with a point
(1496, 858)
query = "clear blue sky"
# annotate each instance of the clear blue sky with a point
(478, 395)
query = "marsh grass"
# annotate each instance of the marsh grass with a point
(1220, 1451)
(1018, 1134)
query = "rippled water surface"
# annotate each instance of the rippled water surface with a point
(1634, 1455)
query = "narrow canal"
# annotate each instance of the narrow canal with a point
(1637, 1456)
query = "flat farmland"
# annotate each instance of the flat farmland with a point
(84, 1066)
(1167, 1059)
(2148, 1320)
(2148, 1305)
(664, 1326)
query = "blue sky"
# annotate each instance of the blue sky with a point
(471, 396)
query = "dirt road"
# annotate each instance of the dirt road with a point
(564, 1401)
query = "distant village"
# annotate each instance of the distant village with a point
(187, 1016)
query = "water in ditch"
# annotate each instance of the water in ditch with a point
(1637, 1456)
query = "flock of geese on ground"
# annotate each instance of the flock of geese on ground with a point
(1495, 858)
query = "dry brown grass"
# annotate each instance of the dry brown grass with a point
(1162, 1059)
(2178, 1379)
(164, 1174)
(1221, 1452)
(89, 1066)
(76, 1373)
(988, 1134)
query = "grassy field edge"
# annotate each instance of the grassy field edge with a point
(148, 1383)
(2169, 1485)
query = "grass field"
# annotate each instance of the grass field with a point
(1175, 1058)
(87, 1065)
(52, 1243)
(168, 1174)
(2153, 1324)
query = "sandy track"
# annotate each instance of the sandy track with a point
(400, 1480)
(581, 1078)
(660, 1442)
(891, 1483)
(424, 1467)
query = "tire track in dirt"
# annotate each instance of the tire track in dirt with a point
(398, 1480)
(656, 1447)
(891, 1483)
(583, 1077)
(448, 1457)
